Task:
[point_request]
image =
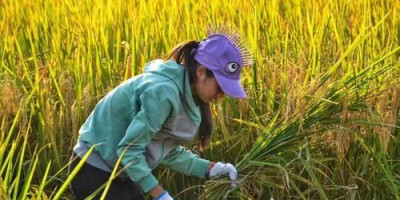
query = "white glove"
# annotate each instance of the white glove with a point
(221, 168)
(164, 196)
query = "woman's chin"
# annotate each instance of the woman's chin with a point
(206, 100)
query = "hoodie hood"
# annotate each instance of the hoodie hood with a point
(174, 72)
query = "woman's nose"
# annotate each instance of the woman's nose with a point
(220, 93)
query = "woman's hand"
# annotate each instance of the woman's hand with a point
(221, 168)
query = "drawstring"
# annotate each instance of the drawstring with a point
(184, 87)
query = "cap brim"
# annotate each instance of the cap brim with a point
(230, 87)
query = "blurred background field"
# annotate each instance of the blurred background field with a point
(321, 121)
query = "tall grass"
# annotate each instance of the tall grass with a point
(321, 120)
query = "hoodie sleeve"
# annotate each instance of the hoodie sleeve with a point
(155, 107)
(186, 162)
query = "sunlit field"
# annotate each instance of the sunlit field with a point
(322, 118)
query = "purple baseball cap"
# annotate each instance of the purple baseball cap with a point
(221, 55)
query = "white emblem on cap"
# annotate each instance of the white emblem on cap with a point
(232, 67)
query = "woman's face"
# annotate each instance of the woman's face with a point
(206, 88)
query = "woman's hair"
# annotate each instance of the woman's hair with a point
(183, 54)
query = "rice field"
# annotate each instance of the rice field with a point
(322, 118)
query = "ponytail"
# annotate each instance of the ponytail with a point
(183, 54)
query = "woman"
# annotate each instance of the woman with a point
(146, 119)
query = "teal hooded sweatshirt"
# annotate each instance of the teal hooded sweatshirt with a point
(145, 120)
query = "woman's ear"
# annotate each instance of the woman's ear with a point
(200, 72)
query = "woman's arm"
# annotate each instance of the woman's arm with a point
(156, 191)
(186, 162)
